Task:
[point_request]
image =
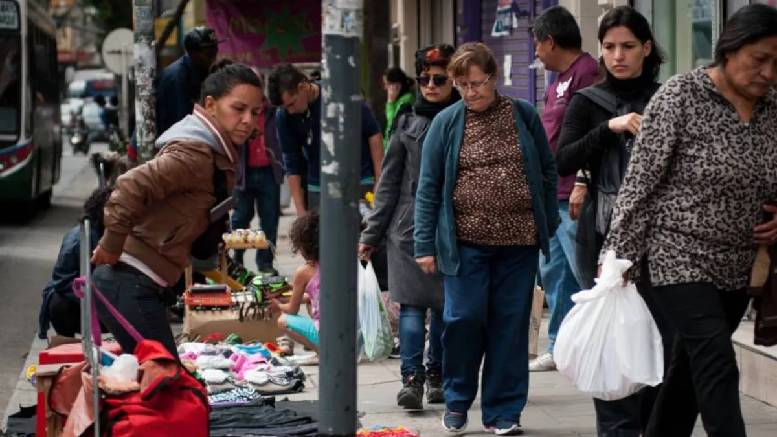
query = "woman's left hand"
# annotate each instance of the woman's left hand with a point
(766, 233)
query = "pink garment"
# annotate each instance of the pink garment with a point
(313, 290)
(245, 363)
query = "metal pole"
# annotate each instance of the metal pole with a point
(340, 174)
(91, 351)
(168, 30)
(145, 71)
(124, 104)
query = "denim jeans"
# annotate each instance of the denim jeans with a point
(559, 275)
(139, 299)
(412, 337)
(261, 192)
(486, 315)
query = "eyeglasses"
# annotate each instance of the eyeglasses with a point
(472, 85)
(436, 79)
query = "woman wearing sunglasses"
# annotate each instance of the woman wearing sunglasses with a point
(415, 291)
(485, 205)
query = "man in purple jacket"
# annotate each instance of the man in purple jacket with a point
(558, 45)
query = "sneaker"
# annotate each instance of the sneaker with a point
(434, 391)
(395, 350)
(454, 422)
(505, 427)
(411, 396)
(542, 363)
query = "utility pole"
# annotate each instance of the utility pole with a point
(341, 101)
(145, 71)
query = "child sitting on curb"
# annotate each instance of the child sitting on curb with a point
(304, 240)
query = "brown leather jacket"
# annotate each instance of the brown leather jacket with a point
(159, 208)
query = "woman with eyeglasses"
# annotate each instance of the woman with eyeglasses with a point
(485, 206)
(416, 292)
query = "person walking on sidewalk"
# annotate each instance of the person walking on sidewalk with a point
(158, 210)
(485, 205)
(697, 201)
(558, 45)
(299, 130)
(259, 186)
(179, 84)
(597, 135)
(415, 291)
(399, 99)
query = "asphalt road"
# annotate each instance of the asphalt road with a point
(28, 250)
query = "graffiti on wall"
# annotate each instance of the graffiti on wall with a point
(265, 32)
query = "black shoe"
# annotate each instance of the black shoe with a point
(434, 391)
(411, 397)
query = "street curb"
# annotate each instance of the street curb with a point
(24, 394)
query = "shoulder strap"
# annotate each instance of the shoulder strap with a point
(605, 99)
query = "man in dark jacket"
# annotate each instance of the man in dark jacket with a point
(259, 186)
(179, 85)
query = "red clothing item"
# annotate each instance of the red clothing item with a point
(257, 149)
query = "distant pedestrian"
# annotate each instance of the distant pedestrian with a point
(299, 131)
(416, 292)
(399, 99)
(597, 136)
(179, 85)
(485, 206)
(259, 185)
(696, 203)
(559, 46)
(160, 209)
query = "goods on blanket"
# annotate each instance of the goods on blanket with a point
(379, 431)
(245, 239)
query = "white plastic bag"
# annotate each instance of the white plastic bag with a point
(374, 323)
(609, 345)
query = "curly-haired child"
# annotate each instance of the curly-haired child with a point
(304, 240)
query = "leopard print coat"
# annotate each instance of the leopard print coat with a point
(695, 185)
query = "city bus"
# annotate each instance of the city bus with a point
(30, 139)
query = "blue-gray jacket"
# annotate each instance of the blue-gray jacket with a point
(435, 224)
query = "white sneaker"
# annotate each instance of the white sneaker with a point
(542, 363)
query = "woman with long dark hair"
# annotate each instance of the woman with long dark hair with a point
(696, 203)
(597, 137)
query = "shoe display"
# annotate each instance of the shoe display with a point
(434, 391)
(454, 422)
(542, 363)
(411, 396)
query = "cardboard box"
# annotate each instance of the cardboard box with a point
(226, 322)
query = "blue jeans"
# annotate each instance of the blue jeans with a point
(412, 337)
(261, 192)
(487, 307)
(559, 276)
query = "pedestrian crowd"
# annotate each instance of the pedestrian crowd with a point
(479, 197)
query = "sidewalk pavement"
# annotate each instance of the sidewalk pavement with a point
(554, 408)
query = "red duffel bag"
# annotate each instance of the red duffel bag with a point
(171, 401)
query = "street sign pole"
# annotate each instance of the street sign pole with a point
(145, 70)
(340, 174)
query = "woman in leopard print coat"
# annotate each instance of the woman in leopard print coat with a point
(694, 203)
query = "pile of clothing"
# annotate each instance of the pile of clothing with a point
(240, 374)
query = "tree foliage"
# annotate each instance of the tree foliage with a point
(113, 14)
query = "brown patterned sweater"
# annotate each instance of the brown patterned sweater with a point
(491, 199)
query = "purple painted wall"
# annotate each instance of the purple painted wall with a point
(526, 83)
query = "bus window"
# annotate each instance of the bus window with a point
(10, 84)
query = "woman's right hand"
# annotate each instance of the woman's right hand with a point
(626, 123)
(427, 264)
(101, 256)
(365, 251)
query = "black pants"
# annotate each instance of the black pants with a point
(65, 315)
(629, 417)
(703, 374)
(139, 299)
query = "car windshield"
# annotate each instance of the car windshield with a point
(10, 86)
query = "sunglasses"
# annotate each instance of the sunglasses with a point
(436, 79)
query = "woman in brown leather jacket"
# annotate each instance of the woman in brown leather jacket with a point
(160, 208)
